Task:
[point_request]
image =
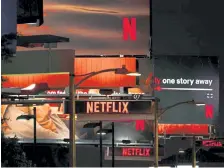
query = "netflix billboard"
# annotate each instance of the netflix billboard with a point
(180, 79)
(61, 79)
(97, 27)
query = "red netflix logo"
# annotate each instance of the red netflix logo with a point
(136, 152)
(140, 125)
(129, 29)
(209, 111)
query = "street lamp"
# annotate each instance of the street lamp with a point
(28, 117)
(104, 132)
(157, 114)
(72, 90)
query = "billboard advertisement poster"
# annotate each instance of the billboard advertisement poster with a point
(52, 122)
(180, 79)
(97, 27)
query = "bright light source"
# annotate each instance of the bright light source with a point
(102, 133)
(31, 87)
(186, 166)
(161, 167)
(200, 104)
(181, 151)
(133, 74)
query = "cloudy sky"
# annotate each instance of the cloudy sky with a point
(94, 26)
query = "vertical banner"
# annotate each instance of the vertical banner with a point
(97, 27)
(9, 28)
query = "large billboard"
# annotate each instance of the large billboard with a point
(180, 79)
(97, 27)
(82, 67)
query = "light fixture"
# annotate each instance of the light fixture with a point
(104, 131)
(126, 141)
(181, 151)
(30, 87)
(200, 104)
(124, 71)
(35, 88)
(133, 74)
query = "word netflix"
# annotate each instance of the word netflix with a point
(136, 151)
(107, 107)
(129, 29)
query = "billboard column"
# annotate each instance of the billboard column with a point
(156, 135)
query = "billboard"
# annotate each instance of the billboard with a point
(52, 120)
(180, 79)
(61, 78)
(97, 27)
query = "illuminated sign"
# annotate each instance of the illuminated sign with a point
(211, 143)
(129, 29)
(107, 107)
(184, 129)
(113, 107)
(144, 152)
(133, 153)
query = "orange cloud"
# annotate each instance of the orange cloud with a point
(93, 33)
(26, 29)
(90, 9)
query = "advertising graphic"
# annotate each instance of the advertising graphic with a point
(118, 27)
(61, 80)
(181, 79)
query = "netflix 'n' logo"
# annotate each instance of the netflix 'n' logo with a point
(129, 29)
(209, 111)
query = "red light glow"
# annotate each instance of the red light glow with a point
(211, 143)
(184, 129)
(209, 110)
(136, 152)
(140, 125)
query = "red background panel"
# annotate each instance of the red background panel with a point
(21, 81)
(82, 66)
(108, 79)
(187, 129)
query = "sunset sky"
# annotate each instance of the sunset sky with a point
(94, 26)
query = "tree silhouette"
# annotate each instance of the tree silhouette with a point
(7, 51)
(13, 154)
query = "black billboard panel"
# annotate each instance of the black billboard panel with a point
(30, 12)
(182, 79)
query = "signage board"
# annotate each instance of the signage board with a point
(211, 143)
(132, 153)
(113, 107)
(180, 79)
(18, 77)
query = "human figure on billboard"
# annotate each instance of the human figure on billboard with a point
(48, 126)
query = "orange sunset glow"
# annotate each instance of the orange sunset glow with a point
(94, 27)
